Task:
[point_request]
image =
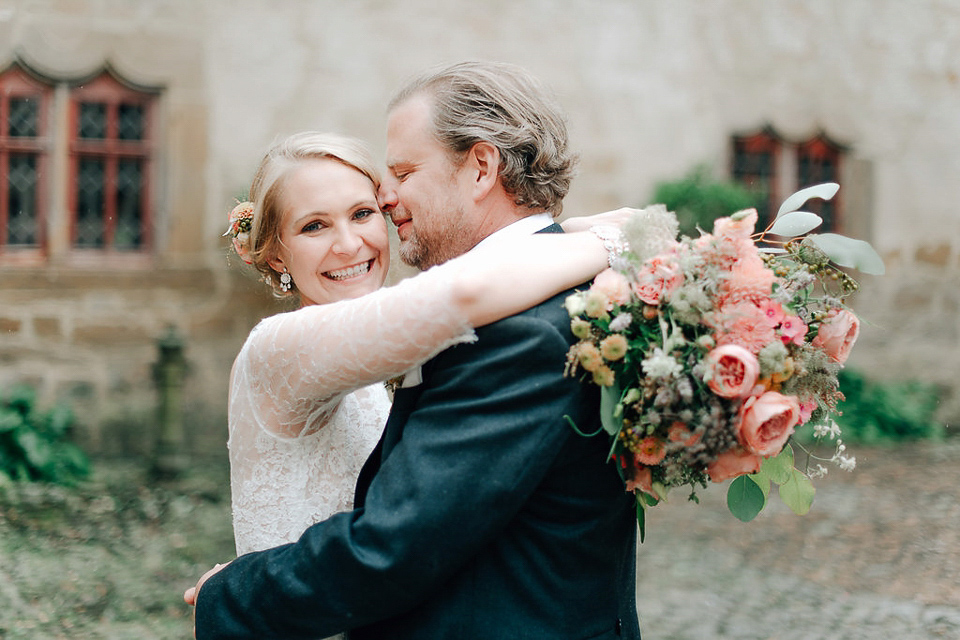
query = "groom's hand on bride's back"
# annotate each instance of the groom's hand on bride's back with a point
(190, 595)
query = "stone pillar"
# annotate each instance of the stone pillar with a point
(169, 459)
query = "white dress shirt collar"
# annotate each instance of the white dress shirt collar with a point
(523, 227)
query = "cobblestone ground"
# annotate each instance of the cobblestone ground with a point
(878, 556)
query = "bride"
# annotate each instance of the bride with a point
(307, 402)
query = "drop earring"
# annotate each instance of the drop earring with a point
(285, 280)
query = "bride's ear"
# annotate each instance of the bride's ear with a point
(276, 263)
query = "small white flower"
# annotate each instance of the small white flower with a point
(621, 322)
(576, 304)
(819, 472)
(831, 430)
(847, 463)
(661, 365)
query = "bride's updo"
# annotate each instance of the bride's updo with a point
(255, 225)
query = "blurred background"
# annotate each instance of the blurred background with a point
(129, 128)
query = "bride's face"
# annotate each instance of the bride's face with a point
(333, 236)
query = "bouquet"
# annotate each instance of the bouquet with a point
(712, 352)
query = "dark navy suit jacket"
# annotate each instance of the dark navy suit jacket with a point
(480, 515)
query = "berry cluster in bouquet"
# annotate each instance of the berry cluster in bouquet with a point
(711, 352)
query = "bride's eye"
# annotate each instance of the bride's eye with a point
(316, 225)
(363, 214)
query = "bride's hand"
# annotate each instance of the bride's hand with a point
(616, 218)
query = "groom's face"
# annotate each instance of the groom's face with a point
(423, 189)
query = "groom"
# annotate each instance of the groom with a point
(481, 514)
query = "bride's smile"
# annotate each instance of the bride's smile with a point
(333, 238)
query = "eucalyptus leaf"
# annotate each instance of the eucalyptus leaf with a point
(848, 252)
(609, 401)
(763, 481)
(641, 517)
(823, 191)
(797, 493)
(744, 499)
(780, 466)
(796, 223)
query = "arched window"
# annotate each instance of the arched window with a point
(111, 142)
(24, 142)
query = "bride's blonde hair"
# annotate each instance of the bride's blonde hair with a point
(269, 182)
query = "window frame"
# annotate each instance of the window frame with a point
(786, 177)
(17, 82)
(108, 89)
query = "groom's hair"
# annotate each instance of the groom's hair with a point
(504, 105)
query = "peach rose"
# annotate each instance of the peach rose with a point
(733, 463)
(766, 422)
(613, 285)
(642, 480)
(658, 279)
(837, 334)
(732, 371)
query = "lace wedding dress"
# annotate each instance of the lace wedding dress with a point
(307, 405)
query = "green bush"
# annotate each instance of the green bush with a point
(698, 201)
(33, 443)
(886, 412)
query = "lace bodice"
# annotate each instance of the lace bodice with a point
(306, 406)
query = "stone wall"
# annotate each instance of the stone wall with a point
(652, 89)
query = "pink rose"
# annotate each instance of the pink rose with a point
(732, 371)
(614, 285)
(642, 480)
(733, 463)
(766, 422)
(837, 334)
(658, 279)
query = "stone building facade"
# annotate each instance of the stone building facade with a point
(652, 90)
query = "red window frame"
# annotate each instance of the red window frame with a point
(107, 90)
(764, 142)
(16, 83)
(822, 152)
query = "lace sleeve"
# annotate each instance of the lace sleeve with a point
(296, 366)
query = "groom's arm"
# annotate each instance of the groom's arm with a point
(485, 432)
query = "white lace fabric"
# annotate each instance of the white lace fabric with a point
(307, 407)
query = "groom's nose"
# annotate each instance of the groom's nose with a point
(387, 195)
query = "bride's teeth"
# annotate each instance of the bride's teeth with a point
(349, 272)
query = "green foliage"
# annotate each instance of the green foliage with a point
(698, 201)
(745, 499)
(33, 443)
(877, 412)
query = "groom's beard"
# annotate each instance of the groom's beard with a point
(448, 237)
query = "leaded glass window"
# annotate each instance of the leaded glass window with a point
(755, 166)
(22, 182)
(23, 100)
(112, 166)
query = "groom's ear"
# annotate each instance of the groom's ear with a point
(484, 162)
